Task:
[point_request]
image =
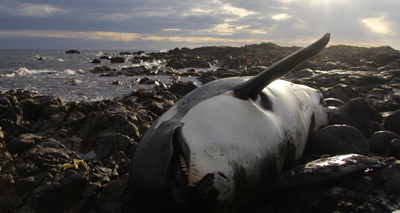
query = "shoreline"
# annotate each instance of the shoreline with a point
(40, 134)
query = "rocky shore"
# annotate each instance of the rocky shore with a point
(75, 156)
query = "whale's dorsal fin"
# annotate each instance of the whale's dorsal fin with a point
(252, 87)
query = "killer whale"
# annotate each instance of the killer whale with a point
(228, 140)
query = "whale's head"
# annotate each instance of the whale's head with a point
(206, 148)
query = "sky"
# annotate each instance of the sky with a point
(166, 24)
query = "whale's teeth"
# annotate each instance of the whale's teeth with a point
(183, 165)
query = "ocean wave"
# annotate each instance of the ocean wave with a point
(20, 72)
(23, 71)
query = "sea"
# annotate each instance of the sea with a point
(68, 75)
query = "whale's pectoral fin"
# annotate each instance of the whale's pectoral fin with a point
(325, 169)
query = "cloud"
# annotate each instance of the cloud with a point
(32, 10)
(116, 36)
(281, 16)
(286, 22)
(106, 36)
(378, 25)
(222, 29)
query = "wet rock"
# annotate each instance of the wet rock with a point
(107, 57)
(96, 61)
(337, 140)
(117, 60)
(182, 88)
(394, 149)
(359, 114)
(103, 69)
(175, 64)
(147, 80)
(306, 73)
(392, 122)
(197, 63)
(116, 82)
(340, 91)
(380, 141)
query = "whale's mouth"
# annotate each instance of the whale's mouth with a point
(179, 169)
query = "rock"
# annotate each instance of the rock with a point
(147, 80)
(87, 198)
(117, 60)
(305, 73)
(196, 63)
(22, 143)
(388, 179)
(116, 82)
(182, 88)
(175, 65)
(235, 65)
(112, 197)
(75, 82)
(105, 57)
(107, 143)
(7, 181)
(157, 108)
(225, 62)
(72, 52)
(10, 200)
(392, 122)
(125, 53)
(337, 197)
(96, 61)
(340, 91)
(394, 148)
(337, 140)
(359, 114)
(380, 142)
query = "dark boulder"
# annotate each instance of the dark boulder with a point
(125, 53)
(72, 52)
(22, 143)
(197, 63)
(394, 149)
(175, 64)
(337, 140)
(117, 60)
(359, 114)
(182, 88)
(392, 122)
(380, 142)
